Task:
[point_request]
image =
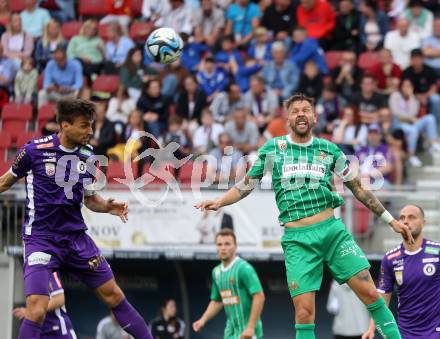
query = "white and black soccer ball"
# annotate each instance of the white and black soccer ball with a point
(164, 45)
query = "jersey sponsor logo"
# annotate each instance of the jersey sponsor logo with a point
(429, 270)
(399, 268)
(282, 145)
(304, 170)
(81, 167)
(229, 299)
(85, 151)
(397, 262)
(53, 159)
(95, 262)
(399, 277)
(349, 247)
(426, 260)
(49, 154)
(49, 144)
(437, 329)
(396, 254)
(18, 158)
(43, 140)
(50, 168)
(293, 285)
(38, 258)
(432, 250)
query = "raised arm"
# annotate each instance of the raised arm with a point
(98, 204)
(6, 181)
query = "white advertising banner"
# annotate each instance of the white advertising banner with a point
(177, 225)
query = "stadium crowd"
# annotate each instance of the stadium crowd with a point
(372, 66)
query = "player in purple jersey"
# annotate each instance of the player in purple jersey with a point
(57, 324)
(414, 269)
(57, 170)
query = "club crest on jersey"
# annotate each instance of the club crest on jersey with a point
(399, 277)
(50, 168)
(282, 145)
(429, 270)
(232, 281)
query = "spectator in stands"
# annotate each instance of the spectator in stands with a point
(119, 11)
(424, 81)
(277, 127)
(88, 48)
(225, 103)
(305, 49)
(108, 328)
(243, 131)
(191, 101)
(212, 79)
(85, 93)
(176, 134)
(386, 72)
(346, 33)
(62, 78)
(374, 24)
(260, 47)
(401, 42)
(281, 74)
(318, 18)
(7, 74)
(431, 47)
(178, 18)
(347, 75)
(154, 107)
(116, 48)
(103, 130)
(192, 52)
(242, 18)
(349, 133)
(279, 18)
(25, 84)
(262, 102)
(208, 23)
(35, 18)
(329, 108)
(375, 157)
(228, 52)
(168, 325)
(120, 106)
(52, 37)
(134, 73)
(153, 10)
(368, 101)
(242, 74)
(405, 106)
(17, 44)
(420, 18)
(225, 171)
(5, 13)
(311, 81)
(206, 136)
(61, 10)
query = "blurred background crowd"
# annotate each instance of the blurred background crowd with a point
(372, 66)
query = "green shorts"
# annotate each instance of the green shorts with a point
(306, 249)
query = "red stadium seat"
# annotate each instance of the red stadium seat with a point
(5, 166)
(136, 8)
(189, 169)
(332, 58)
(71, 28)
(368, 59)
(106, 83)
(158, 176)
(45, 113)
(5, 143)
(17, 5)
(115, 170)
(93, 7)
(139, 31)
(25, 137)
(15, 119)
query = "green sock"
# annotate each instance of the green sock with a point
(385, 323)
(305, 331)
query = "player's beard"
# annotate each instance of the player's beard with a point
(416, 232)
(299, 130)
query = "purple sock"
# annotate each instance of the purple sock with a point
(29, 330)
(131, 321)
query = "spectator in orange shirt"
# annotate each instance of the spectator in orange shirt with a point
(120, 11)
(318, 18)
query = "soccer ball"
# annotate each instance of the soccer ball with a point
(164, 45)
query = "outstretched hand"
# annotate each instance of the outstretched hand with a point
(403, 229)
(118, 208)
(209, 205)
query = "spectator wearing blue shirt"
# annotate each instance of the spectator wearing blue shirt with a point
(228, 52)
(373, 26)
(192, 53)
(242, 18)
(242, 74)
(7, 72)
(35, 18)
(212, 79)
(62, 78)
(281, 74)
(305, 49)
(260, 47)
(431, 47)
(116, 48)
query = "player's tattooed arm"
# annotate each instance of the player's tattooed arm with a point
(246, 186)
(6, 181)
(365, 196)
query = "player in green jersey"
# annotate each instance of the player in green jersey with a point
(302, 168)
(237, 289)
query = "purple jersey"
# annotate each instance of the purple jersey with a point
(56, 321)
(55, 180)
(416, 276)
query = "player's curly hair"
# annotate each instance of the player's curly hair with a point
(69, 109)
(298, 97)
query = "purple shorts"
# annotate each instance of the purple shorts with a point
(75, 252)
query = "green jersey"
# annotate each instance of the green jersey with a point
(302, 175)
(235, 286)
